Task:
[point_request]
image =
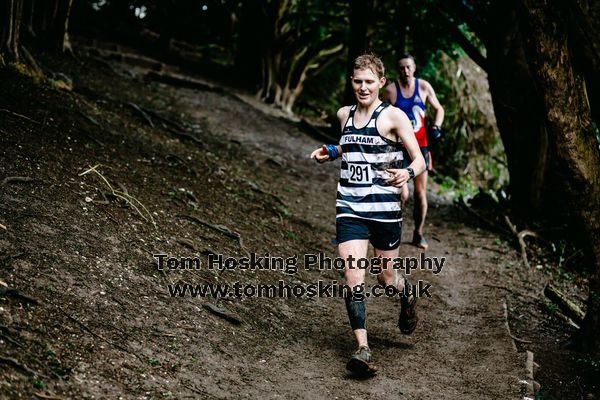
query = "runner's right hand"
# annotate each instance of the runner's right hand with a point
(320, 155)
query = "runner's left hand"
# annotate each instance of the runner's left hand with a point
(398, 177)
(437, 133)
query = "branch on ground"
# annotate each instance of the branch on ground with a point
(132, 201)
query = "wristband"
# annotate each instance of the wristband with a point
(332, 151)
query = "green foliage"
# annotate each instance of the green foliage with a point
(22, 69)
(322, 94)
(291, 235)
(550, 308)
(37, 383)
(472, 146)
(48, 353)
(463, 187)
(284, 211)
(595, 297)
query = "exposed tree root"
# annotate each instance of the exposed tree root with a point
(219, 228)
(4, 333)
(48, 396)
(567, 306)
(180, 81)
(17, 179)
(521, 239)
(17, 294)
(223, 313)
(16, 364)
(94, 334)
(516, 339)
(19, 115)
(141, 112)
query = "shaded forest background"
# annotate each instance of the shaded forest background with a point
(541, 165)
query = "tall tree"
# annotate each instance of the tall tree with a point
(59, 28)
(584, 33)
(48, 19)
(299, 39)
(568, 122)
(10, 24)
(539, 70)
(517, 104)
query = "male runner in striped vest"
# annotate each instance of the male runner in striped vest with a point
(368, 195)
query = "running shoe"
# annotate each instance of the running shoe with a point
(408, 320)
(361, 362)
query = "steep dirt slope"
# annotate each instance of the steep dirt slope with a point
(200, 172)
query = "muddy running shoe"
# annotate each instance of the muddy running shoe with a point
(361, 362)
(419, 241)
(408, 320)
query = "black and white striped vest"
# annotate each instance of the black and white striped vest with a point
(362, 190)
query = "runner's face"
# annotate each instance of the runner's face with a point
(406, 69)
(366, 85)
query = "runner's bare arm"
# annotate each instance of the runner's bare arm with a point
(433, 101)
(390, 93)
(404, 131)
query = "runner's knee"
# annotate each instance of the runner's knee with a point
(354, 276)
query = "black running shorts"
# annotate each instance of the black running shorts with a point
(382, 235)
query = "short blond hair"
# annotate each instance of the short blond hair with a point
(372, 62)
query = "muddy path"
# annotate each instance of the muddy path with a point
(239, 181)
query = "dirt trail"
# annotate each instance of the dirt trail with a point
(106, 325)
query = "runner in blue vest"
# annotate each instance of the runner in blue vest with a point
(368, 195)
(411, 96)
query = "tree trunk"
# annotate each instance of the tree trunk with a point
(584, 34)
(518, 107)
(270, 50)
(10, 24)
(519, 115)
(306, 62)
(59, 37)
(289, 55)
(45, 11)
(569, 125)
(28, 11)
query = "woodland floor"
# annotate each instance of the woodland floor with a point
(103, 324)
